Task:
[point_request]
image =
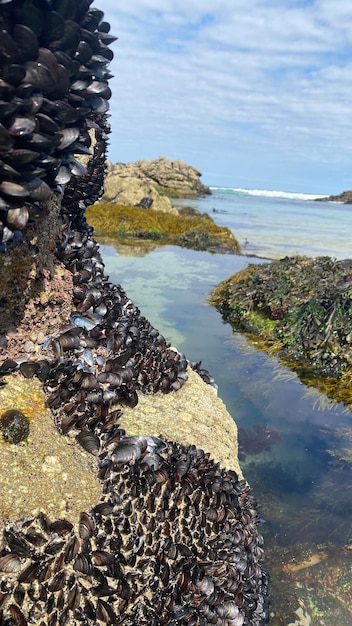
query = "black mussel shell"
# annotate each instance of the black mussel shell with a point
(8, 366)
(13, 73)
(29, 368)
(66, 8)
(27, 43)
(108, 39)
(22, 156)
(22, 126)
(7, 171)
(104, 27)
(69, 40)
(39, 76)
(29, 15)
(63, 176)
(83, 53)
(68, 136)
(17, 218)
(7, 108)
(6, 90)
(6, 141)
(89, 441)
(38, 190)
(47, 124)
(54, 27)
(13, 190)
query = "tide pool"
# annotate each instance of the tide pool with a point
(296, 446)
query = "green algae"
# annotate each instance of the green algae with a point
(192, 231)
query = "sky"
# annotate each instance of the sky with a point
(253, 93)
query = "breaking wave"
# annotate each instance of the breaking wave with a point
(269, 194)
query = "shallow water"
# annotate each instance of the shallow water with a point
(276, 227)
(302, 478)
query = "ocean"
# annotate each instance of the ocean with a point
(297, 445)
(273, 224)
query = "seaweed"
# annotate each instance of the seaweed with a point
(197, 231)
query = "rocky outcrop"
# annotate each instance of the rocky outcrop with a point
(151, 183)
(161, 172)
(135, 192)
(345, 198)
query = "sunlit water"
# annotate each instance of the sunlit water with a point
(276, 227)
(303, 481)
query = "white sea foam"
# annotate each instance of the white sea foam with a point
(269, 194)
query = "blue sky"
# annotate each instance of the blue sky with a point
(254, 94)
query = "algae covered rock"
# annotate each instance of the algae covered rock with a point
(196, 231)
(299, 307)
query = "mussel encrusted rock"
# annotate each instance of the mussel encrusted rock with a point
(14, 426)
(53, 90)
(174, 538)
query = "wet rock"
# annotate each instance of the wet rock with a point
(299, 308)
(196, 230)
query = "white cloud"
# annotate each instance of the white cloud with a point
(231, 86)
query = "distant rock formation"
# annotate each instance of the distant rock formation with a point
(345, 198)
(151, 183)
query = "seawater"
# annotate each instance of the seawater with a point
(280, 224)
(302, 478)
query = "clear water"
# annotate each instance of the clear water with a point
(303, 479)
(275, 227)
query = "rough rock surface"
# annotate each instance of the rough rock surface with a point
(172, 175)
(133, 183)
(50, 473)
(26, 267)
(132, 191)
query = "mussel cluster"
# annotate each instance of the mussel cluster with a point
(173, 540)
(53, 89)
(106, 354)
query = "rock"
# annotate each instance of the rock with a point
(131, 191)
(190, 230)
(49, 473)
(195, 412)
(300, 309)
(171, 176)
(155, 180)
(345, 198)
